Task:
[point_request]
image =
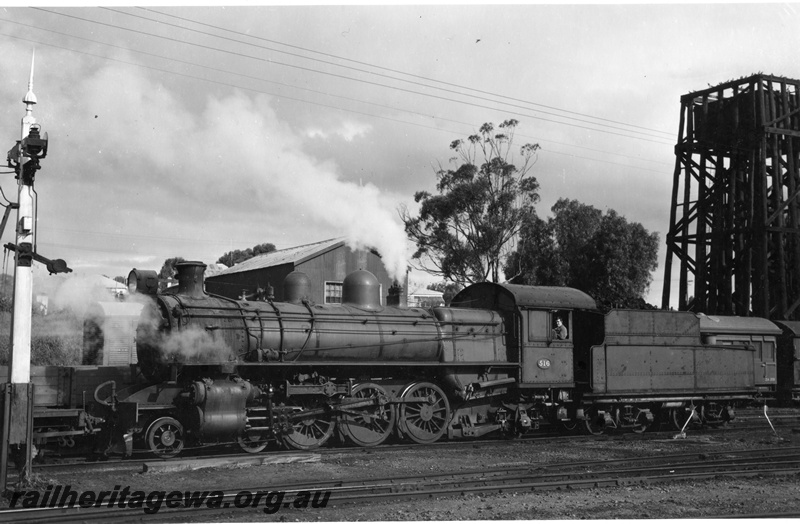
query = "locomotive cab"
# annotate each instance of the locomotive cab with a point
(549, 354)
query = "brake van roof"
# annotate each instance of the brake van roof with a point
(717, 324)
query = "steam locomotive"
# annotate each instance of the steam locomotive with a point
(299, 373)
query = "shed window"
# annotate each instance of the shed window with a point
(333, 292)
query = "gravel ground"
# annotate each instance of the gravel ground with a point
(683, 499)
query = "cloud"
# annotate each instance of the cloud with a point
(137, 156)
(347, 130)
(351, 130)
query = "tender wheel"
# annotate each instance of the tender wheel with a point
(678, 417)
(728, 415)
(253, 442)
(674, 416)
(165, 437)
(641, 423)
(311, 431)
(715, 415)
(594, 423)
(424, 420)
(369, 425)
(569, 425)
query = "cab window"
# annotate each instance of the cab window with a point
(538, 326)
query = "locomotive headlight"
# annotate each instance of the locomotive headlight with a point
(143, 281)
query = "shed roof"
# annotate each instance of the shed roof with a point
(293, 255)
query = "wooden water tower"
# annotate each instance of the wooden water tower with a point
(735, 214)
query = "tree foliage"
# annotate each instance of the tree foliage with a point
(168, 268)
(537, 261)
(465, 232)
(603, 255)
(236, 256)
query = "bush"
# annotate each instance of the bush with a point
(6, 303)
(56, 339)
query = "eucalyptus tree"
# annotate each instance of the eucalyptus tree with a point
(465, 231)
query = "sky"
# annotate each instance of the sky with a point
(193, 131)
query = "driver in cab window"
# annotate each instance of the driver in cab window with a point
(560, 332)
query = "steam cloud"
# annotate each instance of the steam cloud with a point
(194, 344)
(77, 293)
(160, 161)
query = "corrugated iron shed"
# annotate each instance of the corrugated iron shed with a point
(293, 255)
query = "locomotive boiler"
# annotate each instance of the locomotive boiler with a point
(299, 373)
(188, 327)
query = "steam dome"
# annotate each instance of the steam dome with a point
(362, 289)
(296, 287)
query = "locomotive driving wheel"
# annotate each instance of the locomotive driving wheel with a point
(312, 430)
(368, 425)
(165, 437)
(424, 413)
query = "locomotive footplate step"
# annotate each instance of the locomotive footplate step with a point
(183, 465)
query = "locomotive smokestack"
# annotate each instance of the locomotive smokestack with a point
(190, 278)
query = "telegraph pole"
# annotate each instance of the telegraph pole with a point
(17, 397)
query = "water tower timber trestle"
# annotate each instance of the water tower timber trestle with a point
(735, 211)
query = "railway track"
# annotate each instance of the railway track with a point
(661, 468)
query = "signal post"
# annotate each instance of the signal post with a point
(16, 400)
